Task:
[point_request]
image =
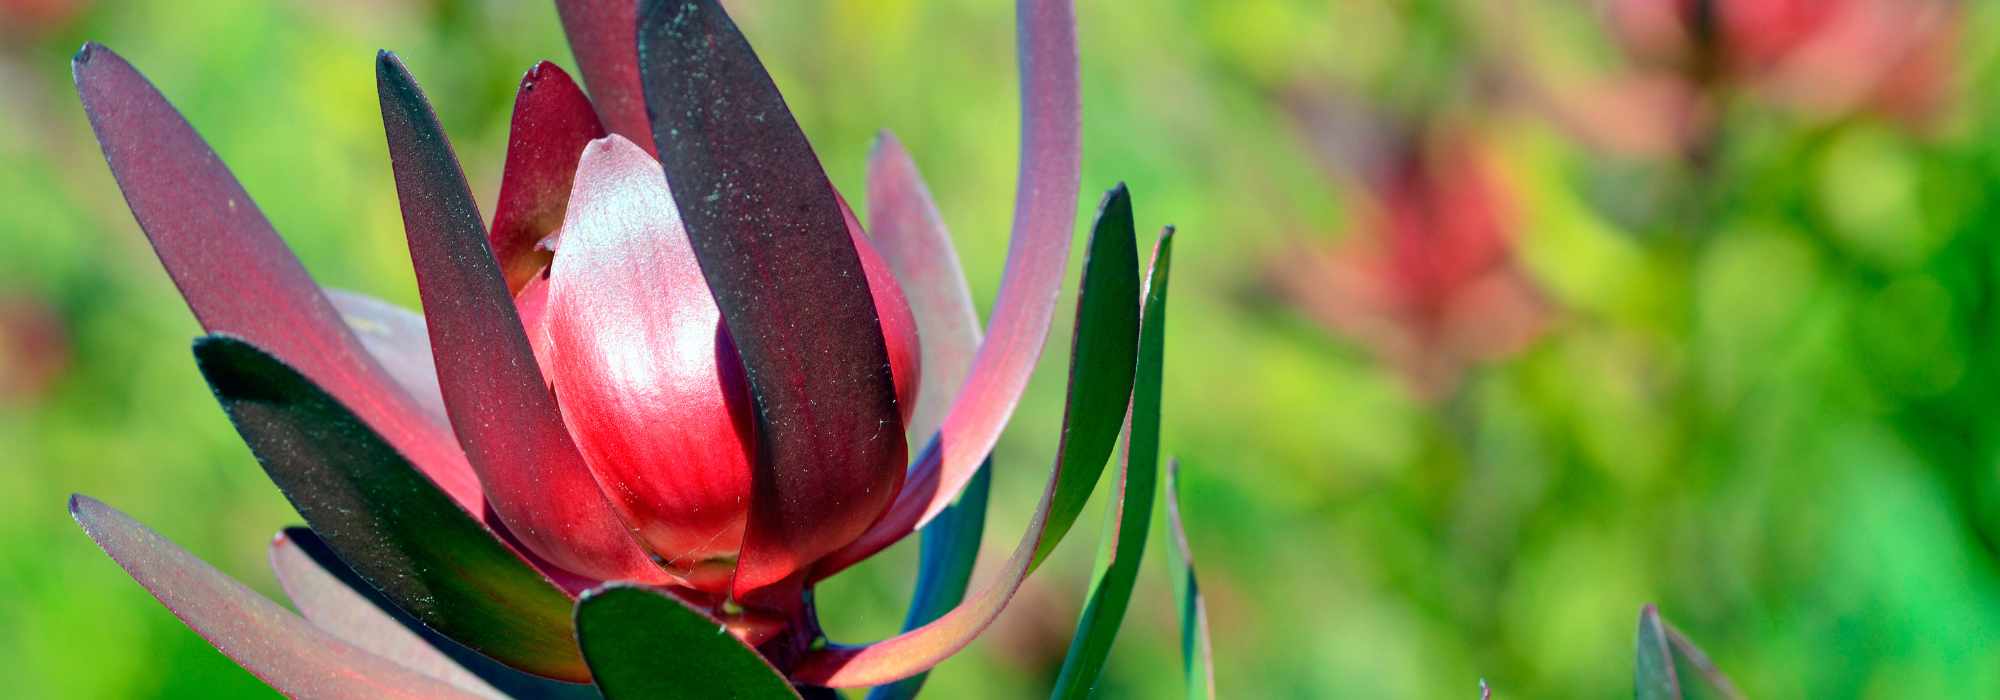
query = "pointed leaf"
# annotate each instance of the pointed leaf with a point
(1671, 667)
(773, 243)
(553, 121)
(601, 34)
(400, 343)
(1101, 373)
(236, 273)
(335, 599)
(949, 549)
(911, 236)
(270, 642)
(1131, 505)
(391, 525)
(1045, 202)
(1197, 652)
(643, 644)
(494, 393)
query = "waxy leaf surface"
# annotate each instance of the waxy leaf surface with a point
(235, 272)
(494, 393)
(273, 644)
(401, 534)
(643, 644)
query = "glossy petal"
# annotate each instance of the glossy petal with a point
(601, 35)
(1131, 505)
(552, 123)
(1197, 652)
(644, 644)
(236, 273)
(1044, 214)
(774, 246)
(1101, 375)
(394, 527)
(336, 600)
(650, 384)
(910, 234)
(502, 410)
(270, 642)
(397, 338)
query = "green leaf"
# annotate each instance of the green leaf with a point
(1197, 652)
(640, 643)
(397, 530)
(1131, 505)
(1668, 660)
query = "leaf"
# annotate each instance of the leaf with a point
(949, 549)
(1131, 504)
(1666, 657)
(1197, 652)
(1044, 221)
(552, 123)
(400, 343)
(336, 600)
(236, 273)
(601, 34)
(773, 243)
(1101, 364)
(911, 236)
(270, 642)
(401, 534)
(495, 395)
(643, 644)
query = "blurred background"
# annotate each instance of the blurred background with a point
(1494, 320)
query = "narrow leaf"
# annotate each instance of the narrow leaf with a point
(278, 647)
(1131, 505)
(601, 34)
(235, 272)
(1045, 202)
(494, 393)
(909, 232)
(1197, 653)
(553, 121)
(401, 534)
(397, 338)
(337, 600)
(773, 243)
(1101, 372)
(1671, 667)
(949, 549)
(644, 644)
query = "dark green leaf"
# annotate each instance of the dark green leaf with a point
(642, 644)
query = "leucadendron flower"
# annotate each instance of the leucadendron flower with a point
(666, 388)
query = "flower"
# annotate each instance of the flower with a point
(667, 388)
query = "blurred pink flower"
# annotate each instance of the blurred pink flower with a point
(34, 348)
(1427, 279)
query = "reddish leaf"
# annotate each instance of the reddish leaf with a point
(768, 230)
(1102, 369)
(270, 642)
(648, 380)
(396, 529)
(601, 34)
(236, 273)
(337, 600)
(499, 405)
(912, 239)
(398, 340)
(552, 123)
(1044, 213)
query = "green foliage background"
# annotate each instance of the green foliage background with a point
(1775, 417)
